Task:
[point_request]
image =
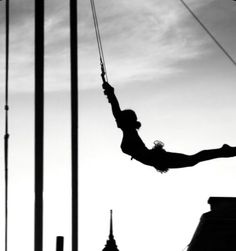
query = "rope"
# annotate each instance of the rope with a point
(6, 137)
(209, 33)
(98, 37)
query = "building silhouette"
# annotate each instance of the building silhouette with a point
(217, 228)
(111, 242)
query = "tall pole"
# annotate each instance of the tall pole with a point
(6, 137)
(74, 121)
(39, 122)
(60, 243)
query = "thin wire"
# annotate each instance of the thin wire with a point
(98, 37)
(209, 33)
(6, 137)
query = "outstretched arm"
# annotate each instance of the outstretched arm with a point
(109, 92)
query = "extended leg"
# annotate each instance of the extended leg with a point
(224, 152)
(179, 160)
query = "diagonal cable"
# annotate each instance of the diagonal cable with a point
(209, 33)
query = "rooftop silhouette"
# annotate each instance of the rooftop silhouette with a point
(111, 242)
(217, 228)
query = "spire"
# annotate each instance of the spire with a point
(111, 226)
(111, 243)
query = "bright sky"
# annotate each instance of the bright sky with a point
(164, 66)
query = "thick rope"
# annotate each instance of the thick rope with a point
(6, 137)
(98, 37)
(209, 33)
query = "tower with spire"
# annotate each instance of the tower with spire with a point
(111, 242)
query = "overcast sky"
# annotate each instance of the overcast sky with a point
(164, 66)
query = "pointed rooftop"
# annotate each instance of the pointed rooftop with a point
(111, 243)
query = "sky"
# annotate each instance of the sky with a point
(163, 65)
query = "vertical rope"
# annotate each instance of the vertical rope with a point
(39, 122)
(98, 37)
(74, 121)
(6, 137)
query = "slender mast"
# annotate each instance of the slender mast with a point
(74, 121)
(111, 226)
(39, 122)
(6, 137)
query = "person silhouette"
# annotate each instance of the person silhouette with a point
(157, 157)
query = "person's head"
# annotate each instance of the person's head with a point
(129, 119)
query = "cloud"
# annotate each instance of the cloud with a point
(139, 38)
(22, 44)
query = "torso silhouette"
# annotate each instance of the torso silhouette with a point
(131, 143)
